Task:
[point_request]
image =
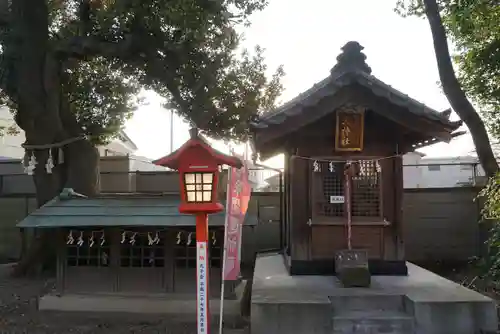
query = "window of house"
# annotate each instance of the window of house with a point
(185, 248)
(87, 248)
(329, 196)
(434, 168)
(140, 248)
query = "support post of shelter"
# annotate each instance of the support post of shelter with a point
(398, 214)
(300, 229)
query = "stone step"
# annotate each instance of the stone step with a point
(373, 322)
(367, 303)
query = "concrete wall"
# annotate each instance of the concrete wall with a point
(442, 223)
(118, 174)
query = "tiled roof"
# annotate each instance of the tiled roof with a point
(351, 69)
(117, 210)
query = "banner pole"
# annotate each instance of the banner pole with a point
(224, 251)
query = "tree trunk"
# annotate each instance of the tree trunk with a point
(81, 173)
(454, 93)
(45, 121)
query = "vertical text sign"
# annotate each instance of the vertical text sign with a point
(236, 207)
(202, 288)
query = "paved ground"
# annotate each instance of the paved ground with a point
(18, 315)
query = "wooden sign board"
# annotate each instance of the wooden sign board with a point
(349, 130)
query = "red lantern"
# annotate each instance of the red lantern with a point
(198, 165)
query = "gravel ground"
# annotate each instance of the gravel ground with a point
(18, 314)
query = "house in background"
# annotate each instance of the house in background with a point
(446, 172)
(272, 183)
(10, 144)
(120, 146)
(258, 176)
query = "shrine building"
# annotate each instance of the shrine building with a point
(117, 250)
(350, 116)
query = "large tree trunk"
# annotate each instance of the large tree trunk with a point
(454, 93)
(80, 172)
(45, 120)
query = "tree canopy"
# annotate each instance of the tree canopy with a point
(71, 69)
(473, 26)
(107, 50)
(454, 18)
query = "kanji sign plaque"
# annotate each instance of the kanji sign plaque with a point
(349, 129)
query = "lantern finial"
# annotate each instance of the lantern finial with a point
(193, 132)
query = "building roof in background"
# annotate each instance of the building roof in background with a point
(124, 137)
(117, 210)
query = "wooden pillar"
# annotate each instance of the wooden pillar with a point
(169, 249)
(398, 207)
(286, 204)
(299, 209)
(114, 236)
(61, 260)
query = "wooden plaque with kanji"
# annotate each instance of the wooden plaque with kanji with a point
(349, 129)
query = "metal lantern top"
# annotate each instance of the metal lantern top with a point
(198, 165)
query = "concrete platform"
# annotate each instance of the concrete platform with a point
(155, 304)
(420, 303)
(177, 305)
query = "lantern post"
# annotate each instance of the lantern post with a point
(198, 165)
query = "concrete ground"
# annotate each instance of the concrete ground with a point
(438, 305)
(19, 314)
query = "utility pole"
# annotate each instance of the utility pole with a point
(171, 130)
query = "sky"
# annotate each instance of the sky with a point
(306, 40)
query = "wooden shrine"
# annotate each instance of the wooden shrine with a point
(128, 245)
(349, 116)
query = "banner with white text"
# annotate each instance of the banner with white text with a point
(238, 196)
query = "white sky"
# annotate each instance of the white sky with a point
(306, 39)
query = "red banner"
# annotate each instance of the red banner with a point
(238, 196)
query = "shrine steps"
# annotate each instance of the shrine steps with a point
(371, 314)
(373, 322)
(420, 303)
(378, 302)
